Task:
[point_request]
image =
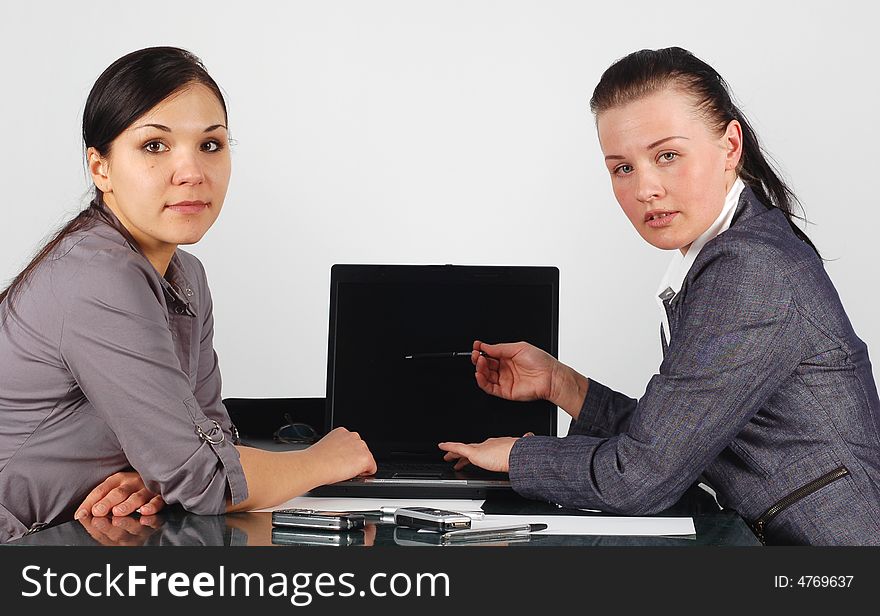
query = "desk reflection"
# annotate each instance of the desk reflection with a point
(173, 526)
(176, 527)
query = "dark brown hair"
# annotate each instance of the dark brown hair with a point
(124, 92)
(650, 70)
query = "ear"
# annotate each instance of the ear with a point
(99, 168)
(733, 143)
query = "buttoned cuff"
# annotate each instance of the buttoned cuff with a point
(593, 419)
(527, 463)
(217, 441)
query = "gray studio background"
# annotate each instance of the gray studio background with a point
(442, 132)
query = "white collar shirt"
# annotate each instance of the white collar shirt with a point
(681, 264)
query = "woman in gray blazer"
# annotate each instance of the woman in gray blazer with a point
(106, 336)
(764, 392)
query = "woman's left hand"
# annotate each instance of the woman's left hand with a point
(493, 454)
(120, 494)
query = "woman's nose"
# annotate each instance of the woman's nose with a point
(187, 169)
(649, 187)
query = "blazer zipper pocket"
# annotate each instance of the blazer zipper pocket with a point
(802, 492)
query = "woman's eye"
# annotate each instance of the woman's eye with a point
(212, 146)
(623, 169)
(155, 147)
(668, 156)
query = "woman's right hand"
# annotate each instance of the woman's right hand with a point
(341, 455)
(520, 371)
(514, 371)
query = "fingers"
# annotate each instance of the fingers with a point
(350, 452)
(116, 531)
(460, 449)
(371, 466)
(96, 495)
(151, 521)
(128, 525)
(365, 458)
(111, 499)
(458, 452)
(501, 350)
(461, 463)
(490, 382)
(528, 434)
(152, 506)
(120, 494)
(483, 382)
(480, 351)
(94, 532)
(125, 530)
(488, 364)
(493, 454)
(114, 498)
(486, 374)
(133, 502)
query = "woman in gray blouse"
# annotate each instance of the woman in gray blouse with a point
(106, 336)
(765, 392)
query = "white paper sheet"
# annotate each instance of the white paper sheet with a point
(327, 503)
(594, 524)
(556, 524)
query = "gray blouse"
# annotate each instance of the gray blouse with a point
(106, 366)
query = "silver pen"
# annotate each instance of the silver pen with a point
(499, 533)
(385, 514)
(444, 355)
(389, 511)
(474, 515)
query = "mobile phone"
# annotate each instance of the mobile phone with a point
(311, 518)
(439, 520)
(282, 535)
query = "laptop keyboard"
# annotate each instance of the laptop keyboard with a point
(436, 470)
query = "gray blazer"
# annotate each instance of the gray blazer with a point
(764, 390)
(107, 366)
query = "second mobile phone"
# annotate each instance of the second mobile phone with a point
(429, 518)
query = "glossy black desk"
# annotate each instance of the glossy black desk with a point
(177, 527)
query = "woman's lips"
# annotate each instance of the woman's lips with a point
(661, 220)
(187, 207)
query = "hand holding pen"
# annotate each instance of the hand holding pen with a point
(514, 371)
(520, 371)
(441, 355)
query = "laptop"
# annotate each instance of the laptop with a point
(399, 371)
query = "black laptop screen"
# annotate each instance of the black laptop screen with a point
(407, 405)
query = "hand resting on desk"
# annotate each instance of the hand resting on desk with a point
(493, 454)
(120, 494)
